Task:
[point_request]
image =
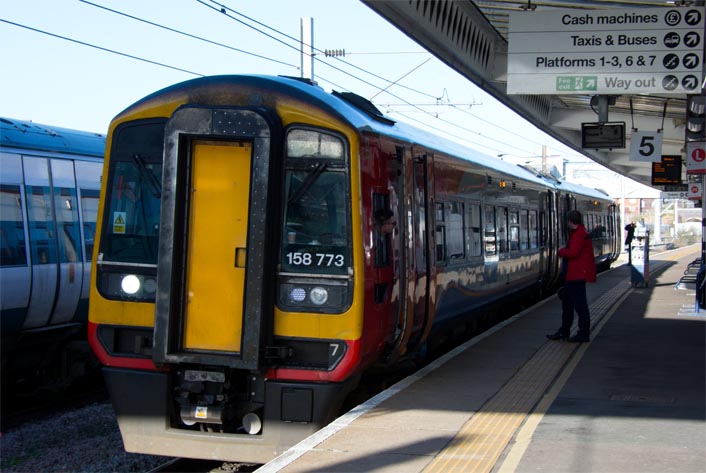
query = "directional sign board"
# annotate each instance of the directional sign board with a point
(673, 195)
(625, 51)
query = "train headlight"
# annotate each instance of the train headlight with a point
(133, 286)
(329, 297)
(297, 294)
(318, 295)
(130, 284)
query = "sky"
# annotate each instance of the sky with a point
(77, 64)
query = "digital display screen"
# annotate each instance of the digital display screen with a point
(603, 135)
(667, 172)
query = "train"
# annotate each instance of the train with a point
(262, 244)
(49, 187)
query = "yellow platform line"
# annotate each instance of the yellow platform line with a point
(483, 438)
(524, 435)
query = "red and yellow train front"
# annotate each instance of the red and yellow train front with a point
(225, 303)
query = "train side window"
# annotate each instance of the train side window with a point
(42, 237)
(13, 249)
(89, 214)
(474, 238)
(514, 240)
(490, 232)
(454, 231)
(533, 230)
(67, 224)
(440, 234)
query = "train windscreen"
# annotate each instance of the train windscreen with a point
(316, 216)
(131, 230)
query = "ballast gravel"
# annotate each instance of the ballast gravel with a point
(83, 440)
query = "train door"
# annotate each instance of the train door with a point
(567, 204)
(548, 242)
(615, 230)
(15, 271)
(88, 187)
(403, 250)
(42, 241)
(421, 283)
(212, 292)
(501, 215)
(218, 225)
(68, 238)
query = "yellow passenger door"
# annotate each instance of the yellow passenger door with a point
(216, 248)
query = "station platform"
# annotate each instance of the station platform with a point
(633, 399)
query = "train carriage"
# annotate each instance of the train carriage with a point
(262, 243)
(49, 186)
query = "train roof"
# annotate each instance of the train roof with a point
(355, 110)
(570, 187)
(364, 116)
(27, 135)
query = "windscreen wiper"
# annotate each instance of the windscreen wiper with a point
(151, 178)
(308, 182)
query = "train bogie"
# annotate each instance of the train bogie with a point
(261, 244)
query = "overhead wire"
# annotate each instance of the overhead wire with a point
(317, 50)
(223, 10)
(189, 35)
(446, 132)
(112, 51)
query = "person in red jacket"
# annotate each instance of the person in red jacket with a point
(580, 268)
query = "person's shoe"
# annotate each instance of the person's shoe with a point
(578, 339)
(557, 336)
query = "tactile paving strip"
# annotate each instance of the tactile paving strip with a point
(481, 441)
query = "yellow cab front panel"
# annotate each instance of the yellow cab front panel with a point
(218, 223)
(205, 248)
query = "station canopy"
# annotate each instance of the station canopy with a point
(579, 70)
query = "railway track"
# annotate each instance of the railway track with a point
(188, 465)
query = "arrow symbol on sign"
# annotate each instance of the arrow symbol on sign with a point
(690, 61)
(689, 82)
(591, 83)
(692, 39)
(692, 17)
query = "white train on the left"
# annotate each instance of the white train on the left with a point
(49, 186)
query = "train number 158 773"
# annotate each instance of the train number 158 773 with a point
(298, 258)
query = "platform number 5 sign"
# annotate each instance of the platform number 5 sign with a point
(646, 146)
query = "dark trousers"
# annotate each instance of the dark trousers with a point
(574, 299)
